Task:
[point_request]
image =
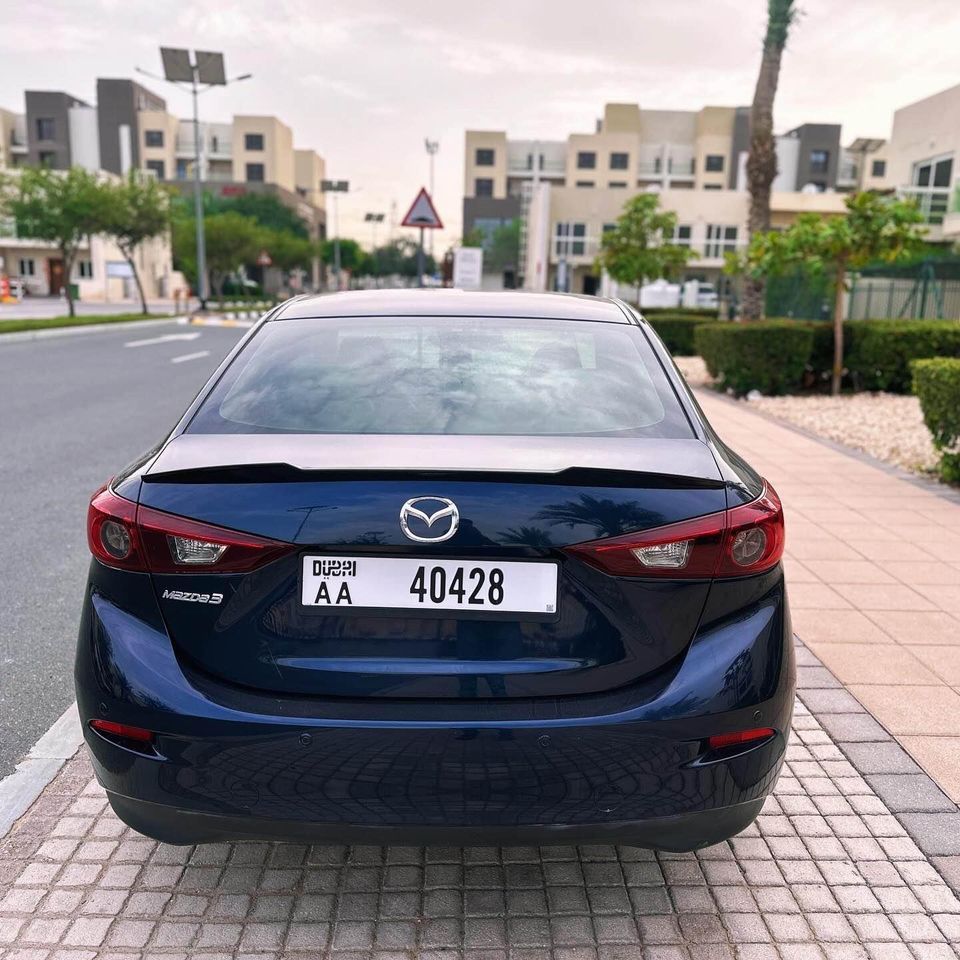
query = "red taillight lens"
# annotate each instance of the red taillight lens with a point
(122, 535)
(112, 531)
(122, 730)
(720, 740)
(733, 543)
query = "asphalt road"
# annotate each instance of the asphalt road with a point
(73, 411)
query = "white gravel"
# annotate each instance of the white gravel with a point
(888, 426)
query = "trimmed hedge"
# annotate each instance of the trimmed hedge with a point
(676, 331)
(879, 352)
(708, 313)
(770, 356)
(936, 382)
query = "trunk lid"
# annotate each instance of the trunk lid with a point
(336, 496)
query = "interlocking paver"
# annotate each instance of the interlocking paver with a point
(827, 872)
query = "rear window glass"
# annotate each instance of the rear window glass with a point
(443, 375)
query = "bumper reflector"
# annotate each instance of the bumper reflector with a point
(720, 740)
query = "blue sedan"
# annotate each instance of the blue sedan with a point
(439, 567)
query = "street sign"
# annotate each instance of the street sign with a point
(422, 213)
(468, 268)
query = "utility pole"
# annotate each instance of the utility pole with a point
(201, 72)
(373, 219)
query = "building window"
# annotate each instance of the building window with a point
(681, 234)
(484, 157)
(720, 240)
(586, 160)
(619, 161)
(28, 267)
(570, 239)
(878, 168)
(712, 186)
(608, 227)
(153, 138)
(158, 167)
(933, 173)
(819, 161)
(488, 226)
(183, 169)
(253, 141)
(85, 269)
(713, 163)
(483, 187)
(255, 173)
(47, 158)
(46, 128)
(585, 183)
(617, 184)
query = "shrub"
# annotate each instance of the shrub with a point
(676, 331)
(879, 352)
(769, 356)
(937, 383)
(709, 313)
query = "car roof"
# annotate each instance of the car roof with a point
(448, 302)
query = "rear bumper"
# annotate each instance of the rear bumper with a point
(632, 773)
(684, 832)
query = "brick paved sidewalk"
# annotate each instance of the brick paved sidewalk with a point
(827, 873)
(873, 570)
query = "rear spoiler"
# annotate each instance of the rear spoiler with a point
(265, 458)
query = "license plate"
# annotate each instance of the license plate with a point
(409, 583)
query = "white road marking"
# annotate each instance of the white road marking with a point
(166, 338)
(183, 358)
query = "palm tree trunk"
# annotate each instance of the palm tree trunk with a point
(837, 375)
(68, 258)
(762, 160)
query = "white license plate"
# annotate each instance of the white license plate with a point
(410, 583)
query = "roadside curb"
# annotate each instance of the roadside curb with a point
(21, 788)
(216, 322)
(20, 336)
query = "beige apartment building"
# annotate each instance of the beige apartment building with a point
(132, 128)
(567, 193)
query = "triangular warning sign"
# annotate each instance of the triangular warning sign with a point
(423, 213)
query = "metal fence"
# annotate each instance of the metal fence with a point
(924, 298)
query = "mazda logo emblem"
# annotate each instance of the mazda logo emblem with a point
(447, 511)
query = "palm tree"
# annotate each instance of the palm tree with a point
(762, 161)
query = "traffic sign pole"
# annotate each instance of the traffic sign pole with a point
(420, 264)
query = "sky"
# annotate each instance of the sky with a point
(363, 82)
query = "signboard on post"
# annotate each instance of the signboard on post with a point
(422, 214)
(468, 268)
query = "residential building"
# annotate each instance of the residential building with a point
(923, 160)
(132, 128)
(13, 139)
(567, 193)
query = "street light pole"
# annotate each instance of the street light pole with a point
(198, 199)
(336, 187)
(207, 68)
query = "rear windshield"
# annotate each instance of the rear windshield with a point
(443, 375)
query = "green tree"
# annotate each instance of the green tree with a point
(352, 256)
(874, 229)
(762, 159)
(64, 208)
(266, 209)
(473, 238)
(137, 209)
(232, 241)
(504, 247)
(287, 250)
(398, 257)
(635, 249)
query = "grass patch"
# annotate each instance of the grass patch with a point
(49, 323)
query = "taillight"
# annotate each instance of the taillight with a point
(123, 535)
(732, 543)
(720, 741)
(112, 531)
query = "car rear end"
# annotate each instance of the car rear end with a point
(438, 579)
